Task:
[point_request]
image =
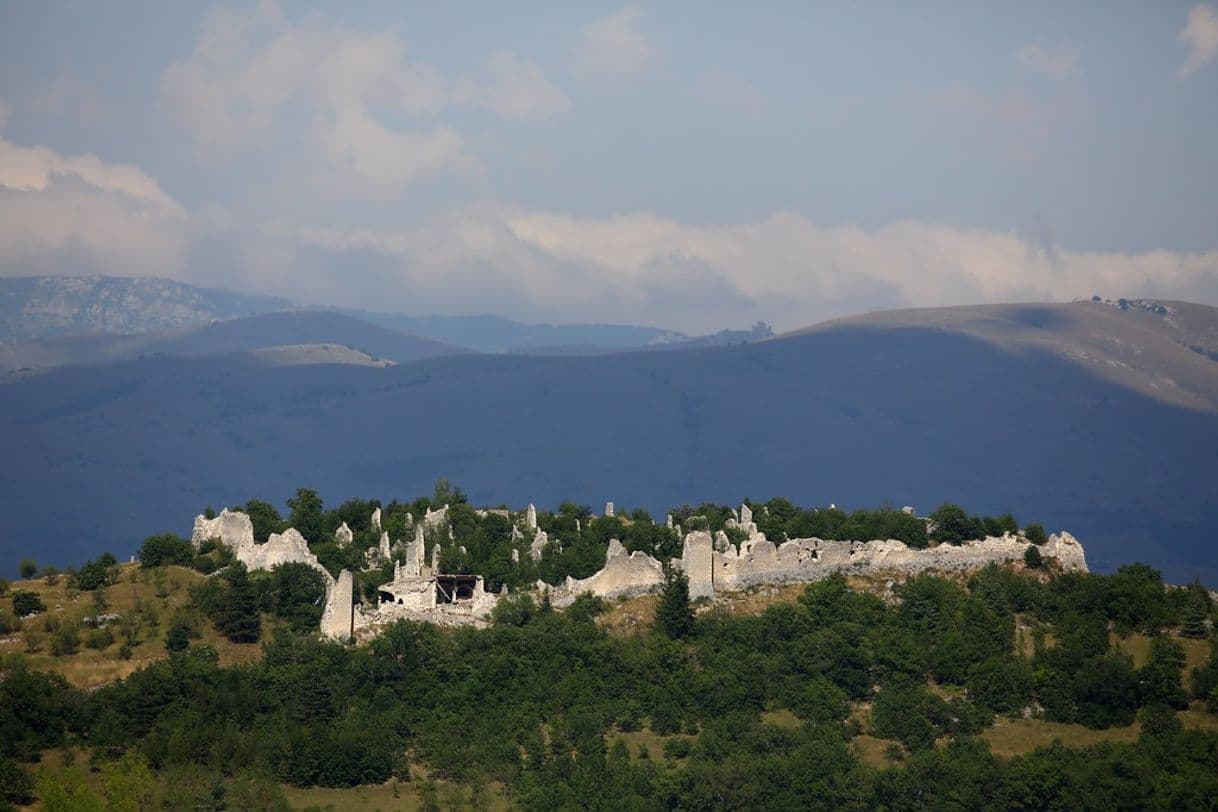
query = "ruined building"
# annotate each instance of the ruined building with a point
(712, 563)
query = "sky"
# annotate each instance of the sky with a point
(686, 165)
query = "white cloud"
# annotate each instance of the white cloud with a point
(1201, 34)
(1055, 61)
(30, 169)
(615, 47)
(351, 98)
(378, 161)
(80, 214)
(785, 269)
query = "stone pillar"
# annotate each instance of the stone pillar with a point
(376, 520)
(530, 517)
(609, 509)
(338, 617)
(697, 560)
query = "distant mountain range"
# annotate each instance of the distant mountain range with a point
(37, 308)
(241, 335)
(1086, 416)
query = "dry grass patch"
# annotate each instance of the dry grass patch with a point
(874, 752)
(137, 592)
(1137, 646)
(757, 600)
(782, 718)
(396, 796)
(629, 617)
(1014, 737)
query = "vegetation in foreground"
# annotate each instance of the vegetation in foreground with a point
(838, 700)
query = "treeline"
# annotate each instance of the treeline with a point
(538, 701)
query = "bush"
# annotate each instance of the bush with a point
(9, 623)
(97, 574)
(28, 568)
(166, 548)
(1032, 558)
(66, 641)
(1035, 533)
(27, 603)
(99, 639)
(678, 747)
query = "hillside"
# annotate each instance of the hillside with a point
(847, 413)
(1163, 349)
(247, 334)
(844, 691)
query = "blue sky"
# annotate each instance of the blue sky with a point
(692, 165)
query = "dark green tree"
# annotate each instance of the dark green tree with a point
(166, 548)
(1032, 558)
(306, 514)
(1035, 533)
(237, 617)
(178, 638)
(674, 615)
(953, 525)
(1196, 612)
(28, 568)
(265, 519)
(27, 603)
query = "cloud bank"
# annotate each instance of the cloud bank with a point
(79, 214)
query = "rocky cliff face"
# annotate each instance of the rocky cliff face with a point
(39, 307)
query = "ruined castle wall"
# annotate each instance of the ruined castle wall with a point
(622, 576)
(801, 560)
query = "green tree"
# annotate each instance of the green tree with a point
(238, 616)
(178, 637)
(28, 568)
(1032, 558)
(16, 786)
(1035, 533)
(1196, 612)
(674, 614)
(164, 549)
(128, 783)
(27, 603)
(953, 525)
(265, 519)
(306, 514)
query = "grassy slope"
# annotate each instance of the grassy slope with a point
(138, 593)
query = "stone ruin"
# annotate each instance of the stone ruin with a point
(713, 565)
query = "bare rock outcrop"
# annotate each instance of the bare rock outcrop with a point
(343, 535)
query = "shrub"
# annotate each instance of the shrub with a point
(678, 747)
(28, 568)
(27, 603)
(1035, 533)
(66, 641)
(99, 639)
(166, 548)
(1032, 558)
